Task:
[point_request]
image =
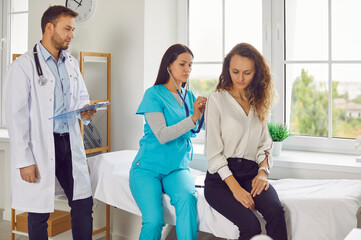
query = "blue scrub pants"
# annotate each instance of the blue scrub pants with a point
(147, 188)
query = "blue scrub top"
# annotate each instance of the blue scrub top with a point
(175, 154)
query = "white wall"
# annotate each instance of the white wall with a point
(136, 33)
(160, 32)
(117, 27)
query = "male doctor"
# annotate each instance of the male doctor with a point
(42, 148)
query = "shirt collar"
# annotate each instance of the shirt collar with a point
(45, 53)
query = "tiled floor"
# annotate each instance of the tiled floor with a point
(5, 231)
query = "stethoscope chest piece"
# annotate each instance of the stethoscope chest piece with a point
(42, 80)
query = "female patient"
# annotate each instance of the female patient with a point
(238, 145)
(161, 164)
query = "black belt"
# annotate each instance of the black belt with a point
(236, 159)
(61, 134)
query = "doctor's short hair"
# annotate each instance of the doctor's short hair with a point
(168, 58)
(53, 13)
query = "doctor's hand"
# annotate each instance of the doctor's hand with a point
(30, 173)
(198, 106)
(88, 115)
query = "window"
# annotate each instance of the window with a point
(321, 71)
(18, 26)
(3, 58)
(316, 61)
(14, 38)
(215, 27)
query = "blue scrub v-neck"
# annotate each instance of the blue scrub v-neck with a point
(175, 154)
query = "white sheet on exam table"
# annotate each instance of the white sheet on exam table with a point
(315, 209)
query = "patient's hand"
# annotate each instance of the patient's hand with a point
(245, 198)
(240, 194)
(259, 183)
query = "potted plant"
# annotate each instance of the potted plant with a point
(278, 132)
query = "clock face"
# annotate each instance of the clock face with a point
(85, 8)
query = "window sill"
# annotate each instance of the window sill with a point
(4, 135)
(325, 161)
(302, 164)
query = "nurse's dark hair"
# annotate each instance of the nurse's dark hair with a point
(261, 92)
(168, 58)
(53, 13)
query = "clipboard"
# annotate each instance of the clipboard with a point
(74, 113)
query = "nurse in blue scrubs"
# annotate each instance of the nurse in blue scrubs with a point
(161, 165)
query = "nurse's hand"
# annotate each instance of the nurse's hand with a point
(30, 173)
(88, 115)
(198, 106)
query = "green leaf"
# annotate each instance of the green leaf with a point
(278, 131)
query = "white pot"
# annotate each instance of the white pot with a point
(277, 146)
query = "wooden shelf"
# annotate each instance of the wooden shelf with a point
(99, 57)
(95, 59)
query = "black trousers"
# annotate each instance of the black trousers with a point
(220, 197)
(81, 210)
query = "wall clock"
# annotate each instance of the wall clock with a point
(85, 8)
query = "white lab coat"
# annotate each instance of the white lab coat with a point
(28, 109)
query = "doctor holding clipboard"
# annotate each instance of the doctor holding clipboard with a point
(42, 83)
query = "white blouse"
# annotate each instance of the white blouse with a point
(230, 133)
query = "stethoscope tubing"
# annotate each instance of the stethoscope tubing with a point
(42, 80)
(201, 121)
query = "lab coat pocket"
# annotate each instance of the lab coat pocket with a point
(74, 85)
(39, 93)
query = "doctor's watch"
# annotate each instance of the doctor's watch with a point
(264, 169)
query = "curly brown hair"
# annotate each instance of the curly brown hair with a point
(261, 92)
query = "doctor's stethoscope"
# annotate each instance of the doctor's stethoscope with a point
(185, 104)
(42, 80)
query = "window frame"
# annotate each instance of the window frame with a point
(183, 10)
(5, 51)
(266, 29)
(274, 52)
(307, 143)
